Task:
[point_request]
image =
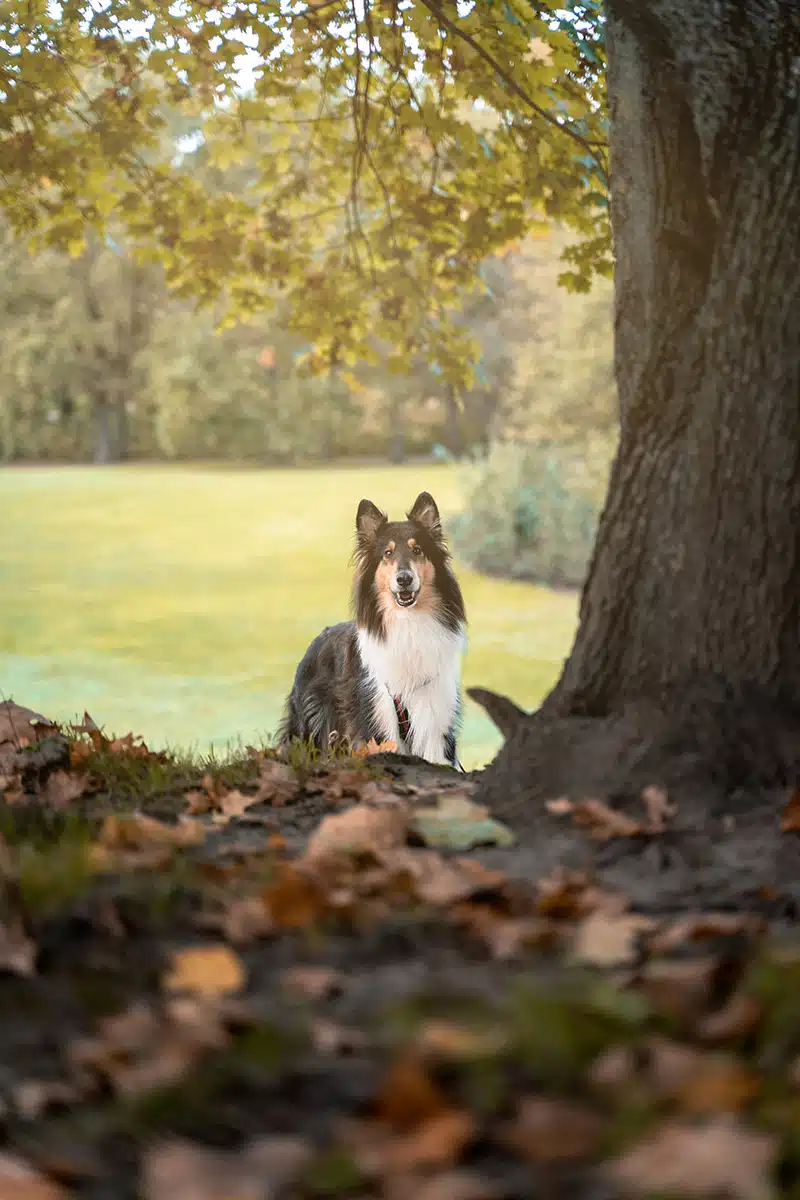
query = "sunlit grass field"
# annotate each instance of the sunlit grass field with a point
(176, 602)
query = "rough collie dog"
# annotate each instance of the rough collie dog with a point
(392, 674)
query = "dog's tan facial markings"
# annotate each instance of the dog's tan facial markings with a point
(389, 551)
(415, 548)
(383, 586)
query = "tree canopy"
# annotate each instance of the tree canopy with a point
(386, 147)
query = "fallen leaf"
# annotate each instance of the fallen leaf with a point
(739, 1017)
(294, 899)
(604, 822)
(609, 941)
(277, 784)
(722, 1085)
(313, 983)
(679, 988)
(720, 1157)
(140, 1051)
(670, 1066)
(408, 1097)
(19, 1181)
(443, 1041)
(551, 1131)
(232, 805)
(17, 951)
(62, 787)
(451, 1185)
(613, 1070)
(699, 927)
(658, 807)
(457, 823)
(206, 971)
(372, 747)
(360, 830)
(34, 1097)
(179, 1170)
(505, 936)
(329, 1037)
(142, 840)
(243, 920)
(439, 1142)
(559, 807)
(790, 817)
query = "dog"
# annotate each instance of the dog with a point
(393, 673)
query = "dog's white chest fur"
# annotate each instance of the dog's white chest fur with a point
(419, 661)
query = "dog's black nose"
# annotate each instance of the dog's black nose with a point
(404, 579)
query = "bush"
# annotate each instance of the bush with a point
(532, 511)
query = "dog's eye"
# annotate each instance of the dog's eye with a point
(388, 552)
(416, 550)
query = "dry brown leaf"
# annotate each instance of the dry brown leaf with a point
(698, 927)
(432, 878)
(718, 1085)
(670, 1066)
(329, 1037)
(206, 971)
(135, 830)
(560, 807)
(438, 1142)
(19, 1181)
(450, 1185)
(658, 807)
(139, 1051)
(34, 1097)
(740, 1016)
(277, 784)
(718, 1158)
(604, 822)
(243, 920)
(790, 817)
(408, 1097)
(679, 988)
(294, 899)
(506, 937)
(442, 1041)
(232, 805)
(550, 1131)
(373, 747)
(17, 951)
(313, 983)
(63, 787)
(179, 1170)
(605, 940)
(360, 830)
(613, 1070)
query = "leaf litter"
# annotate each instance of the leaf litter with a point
(361, 1006)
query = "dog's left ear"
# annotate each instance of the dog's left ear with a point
(425, 513)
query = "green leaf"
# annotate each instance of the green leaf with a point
(456, 823)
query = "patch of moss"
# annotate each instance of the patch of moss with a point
(558, 1030)
(333, 1173)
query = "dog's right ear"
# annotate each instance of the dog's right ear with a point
(369, 519)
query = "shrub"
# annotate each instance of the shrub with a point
(532, 511)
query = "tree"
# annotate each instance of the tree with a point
(696, 566)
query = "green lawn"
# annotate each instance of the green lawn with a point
(177, 601)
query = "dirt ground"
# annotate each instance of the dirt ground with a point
(264, 979)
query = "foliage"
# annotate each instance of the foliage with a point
(370, 160)
(532, 511)
(102, 362)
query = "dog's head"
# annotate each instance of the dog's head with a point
(403, 565)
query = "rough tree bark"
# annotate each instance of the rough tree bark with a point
(697, 561)
(696, 568)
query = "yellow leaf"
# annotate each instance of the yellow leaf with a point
(206, 971)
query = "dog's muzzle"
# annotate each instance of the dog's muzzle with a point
(405, 589)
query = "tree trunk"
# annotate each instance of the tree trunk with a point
(696, 567)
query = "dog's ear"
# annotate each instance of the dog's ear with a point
(425, 513)
(369, 519)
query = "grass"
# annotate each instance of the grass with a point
(176, 602)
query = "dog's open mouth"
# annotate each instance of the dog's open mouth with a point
(406, 599)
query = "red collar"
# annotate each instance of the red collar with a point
(403, 719)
